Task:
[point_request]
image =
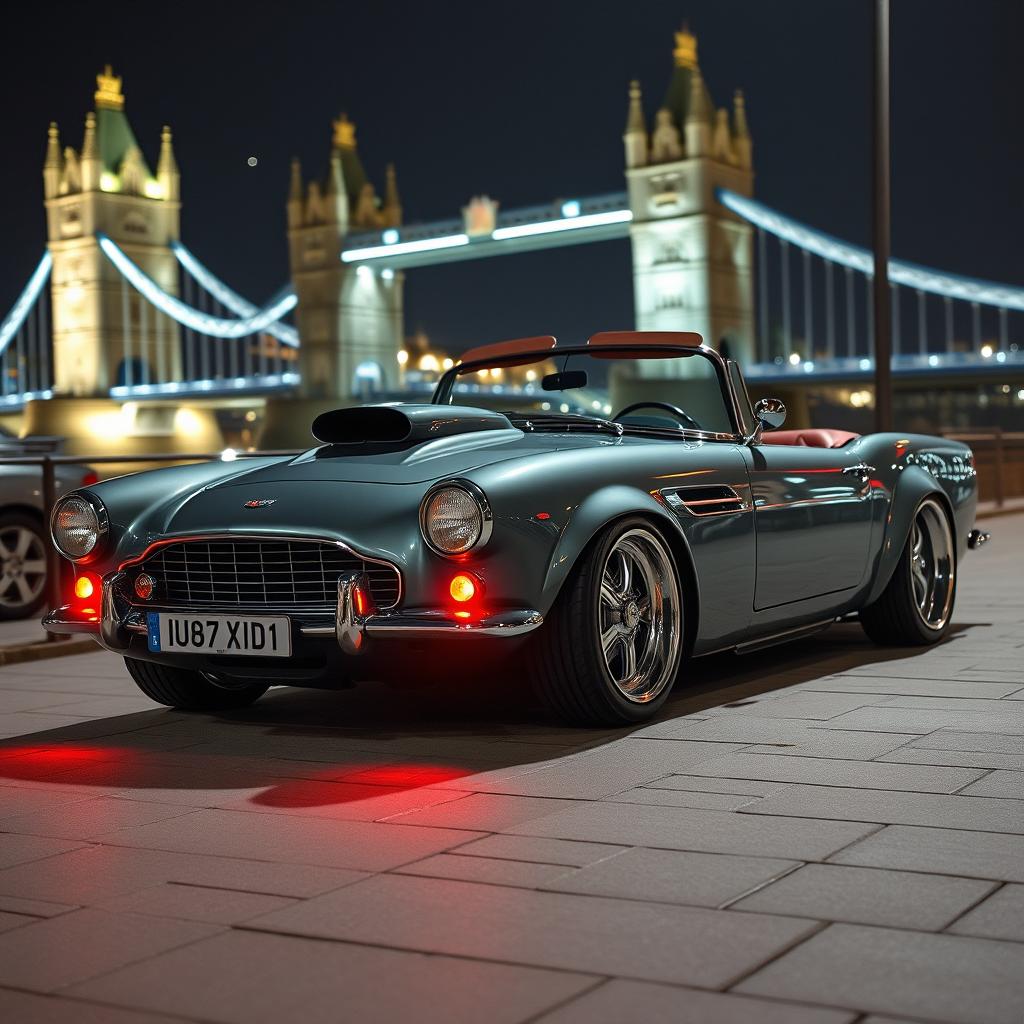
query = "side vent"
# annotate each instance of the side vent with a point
(712, 500)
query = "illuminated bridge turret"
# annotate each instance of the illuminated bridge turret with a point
(692, 258)
(349, 318)
(104, 334)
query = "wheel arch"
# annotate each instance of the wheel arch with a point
(913, 486)
(31, 511)
(604, 509)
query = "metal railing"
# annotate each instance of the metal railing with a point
(48, 467)
(999, 460)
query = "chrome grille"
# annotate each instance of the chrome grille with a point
(232, 573)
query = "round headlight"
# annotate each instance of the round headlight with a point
(76, 527)
(455, 520)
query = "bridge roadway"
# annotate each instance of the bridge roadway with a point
(806, 835)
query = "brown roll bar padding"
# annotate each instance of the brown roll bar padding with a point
(503, 349)
(647, 339)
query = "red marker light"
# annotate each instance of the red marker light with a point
(90, 478)
(360, 601)
(84, 588)
(542, 516)
(463, 587)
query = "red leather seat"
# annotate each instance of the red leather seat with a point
(810, 438)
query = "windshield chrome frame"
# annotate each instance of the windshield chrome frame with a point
(443, 393)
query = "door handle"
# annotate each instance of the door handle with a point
(861, 469)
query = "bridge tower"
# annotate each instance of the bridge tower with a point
(692, 258)
(349, 319)
(99, 322)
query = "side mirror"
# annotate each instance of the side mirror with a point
(770, 413)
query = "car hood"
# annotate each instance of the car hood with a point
(350, 496)
(364, 496)
(412, 464)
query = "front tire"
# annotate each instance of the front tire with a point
(190, 691)
(610, 650)
(916, 607)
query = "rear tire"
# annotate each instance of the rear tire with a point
(190, 691)
(609, 651)
(916, 607)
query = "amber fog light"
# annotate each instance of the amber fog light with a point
(144, 586)
(464, 587)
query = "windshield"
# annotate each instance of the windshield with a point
(648, 390)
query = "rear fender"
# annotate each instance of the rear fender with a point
(913, 486)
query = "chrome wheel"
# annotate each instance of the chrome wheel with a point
(640, 616)
(932, 564)
(22, 567)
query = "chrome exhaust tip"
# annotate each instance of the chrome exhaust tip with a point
(976, 538)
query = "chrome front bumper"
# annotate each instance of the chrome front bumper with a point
(352, 628)
(116, 622)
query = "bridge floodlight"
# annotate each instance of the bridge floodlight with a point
(571, 208)
(373, 252)
(390, 237)
(544, 227)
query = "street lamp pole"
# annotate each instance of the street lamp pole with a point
(882, 226)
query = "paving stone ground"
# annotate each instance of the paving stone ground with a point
(824, 833)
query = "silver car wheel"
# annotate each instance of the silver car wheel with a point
(22, 567)
(932, 564)
(640, 616)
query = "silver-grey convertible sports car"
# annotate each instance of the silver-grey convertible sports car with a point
(605, 511)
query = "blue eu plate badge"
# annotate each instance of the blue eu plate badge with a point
(153, 630)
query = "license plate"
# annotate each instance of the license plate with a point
(263, 636)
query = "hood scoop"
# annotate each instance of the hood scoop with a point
(402, 425)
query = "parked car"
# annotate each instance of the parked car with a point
(23, 531)
(612, 548)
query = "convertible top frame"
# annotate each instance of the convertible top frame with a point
(612, 345)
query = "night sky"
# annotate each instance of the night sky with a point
(527, 102)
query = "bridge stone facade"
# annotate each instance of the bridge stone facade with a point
(692, 258)
(349, 319)
(107, 186)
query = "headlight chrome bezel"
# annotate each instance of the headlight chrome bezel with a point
(483, 507)
(98, 509)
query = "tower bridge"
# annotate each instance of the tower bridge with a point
(118, 309)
